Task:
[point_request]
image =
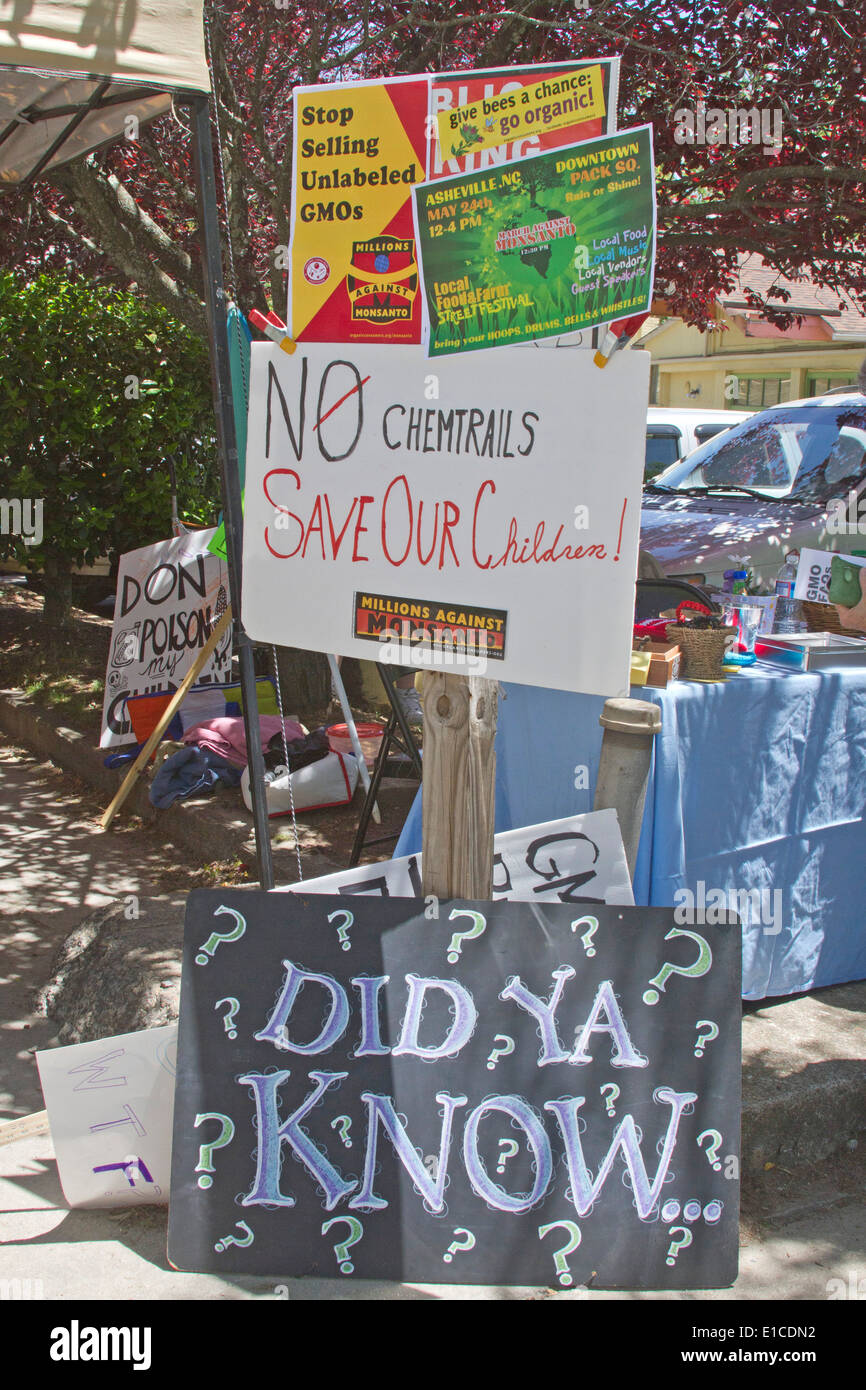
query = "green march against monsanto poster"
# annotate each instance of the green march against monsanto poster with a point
(541, 246)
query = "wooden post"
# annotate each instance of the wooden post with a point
(165, 719)
(459, 785)
(24, 1127)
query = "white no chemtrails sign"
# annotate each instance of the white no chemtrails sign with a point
(484, 518)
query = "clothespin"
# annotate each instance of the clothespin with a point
(617, 336)
(273, 328)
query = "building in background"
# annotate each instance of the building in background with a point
(744, 363)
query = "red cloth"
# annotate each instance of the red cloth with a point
(653, 628)
(226, 736)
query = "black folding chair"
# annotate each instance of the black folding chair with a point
(398, 736)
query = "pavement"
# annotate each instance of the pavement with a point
(809, 1247)
(803, 1233)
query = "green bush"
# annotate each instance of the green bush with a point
(100, 387)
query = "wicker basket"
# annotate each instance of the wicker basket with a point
(823, 617)
(703, 650)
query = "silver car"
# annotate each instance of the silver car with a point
(789, 477)
(671, 433)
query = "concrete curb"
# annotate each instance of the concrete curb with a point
(207, 831)
(805, 1124)
(34, 728)
(804, 1077)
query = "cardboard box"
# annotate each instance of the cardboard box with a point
(640, 665)
(664, 663)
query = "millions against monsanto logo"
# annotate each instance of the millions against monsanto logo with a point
(383, 280)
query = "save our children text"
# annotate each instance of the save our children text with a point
(400, 522)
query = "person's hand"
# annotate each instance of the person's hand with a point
(855, 617)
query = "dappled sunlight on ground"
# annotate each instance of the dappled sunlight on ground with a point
(56, 867)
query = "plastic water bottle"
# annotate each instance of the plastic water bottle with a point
(789, 611)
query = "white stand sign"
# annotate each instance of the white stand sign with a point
(482, 518)
(109, 1106)
(579, 859)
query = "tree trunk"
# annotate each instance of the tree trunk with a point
(57, 607)
(305, 681)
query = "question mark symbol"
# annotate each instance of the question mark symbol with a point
(586, 939)
(677, 1245)
(700, 967)
(207, 950)
(229, 1018)
(206, 1151)
(479, 925)
(704, 1038)
(504, 1157)
(712, 1149)
(342, 1248)
(343, 929)
(233, 1240)
(431, 1163)
(609, 1100)
(504, 1051)
(345, 1123)
(469, 1241)
(560, 1258)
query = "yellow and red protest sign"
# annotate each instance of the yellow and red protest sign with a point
(359, 150)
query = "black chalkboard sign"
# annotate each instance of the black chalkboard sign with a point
(505, 1093)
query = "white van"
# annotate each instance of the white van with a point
(671, 432)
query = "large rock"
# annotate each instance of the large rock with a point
(112, 975)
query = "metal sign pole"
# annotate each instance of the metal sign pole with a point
(215, 303)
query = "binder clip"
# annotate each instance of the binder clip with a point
(617, 335)
(273, 328)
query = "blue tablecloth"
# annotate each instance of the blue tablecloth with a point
(757, 783)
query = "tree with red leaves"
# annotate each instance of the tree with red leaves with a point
(128, 214)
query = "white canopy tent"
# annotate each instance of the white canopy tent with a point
(76, 70)
(72, 72)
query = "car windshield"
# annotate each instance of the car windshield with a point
(663, 447)
(814, 453)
